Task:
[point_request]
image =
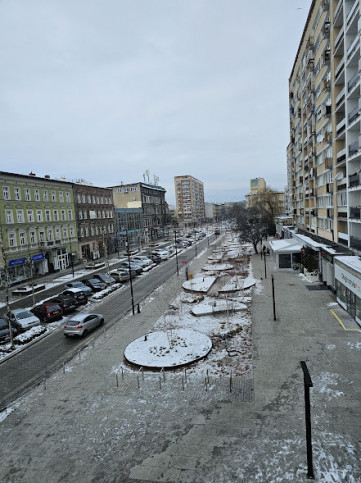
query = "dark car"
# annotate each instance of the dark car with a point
(67, 303)
(104, 277)
(125, 268)
(5, 332)
(134, 267)
(78, 285)
(95, 284)
(80, 296)
(48, 311)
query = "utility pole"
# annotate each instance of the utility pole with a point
(31, 265)
(71, 258)
(106, 254)
(130, 275)
(2, 248)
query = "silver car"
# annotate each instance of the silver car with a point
(82, 324)
(23, 319)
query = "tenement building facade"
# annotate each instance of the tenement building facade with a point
(324, 153)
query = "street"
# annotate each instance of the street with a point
(33, 364)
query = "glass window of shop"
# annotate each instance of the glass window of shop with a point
(341, 292)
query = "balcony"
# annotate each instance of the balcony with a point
(341, 156)
(354, 180)
(351, 12)
(340, 128)
(355, 213)
(339, 38)
(340, 67)
(353, 47)
(355, 242)
(353, 81)
(340, 98)
(354, 114)
(353, 148)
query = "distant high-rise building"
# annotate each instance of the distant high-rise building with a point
(189, 195)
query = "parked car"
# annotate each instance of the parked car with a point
(155, 258)
(79, 295)
(120, 275)
(164, 255)
(23, 319)
(82, 324)
(79, 285)
(125, 268)
(67, 303)
(48, 312)
(95, 284)
(104, 277)
(133, 265)
(143, 260)
(5, 332)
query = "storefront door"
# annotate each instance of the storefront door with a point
(351, 302)
(62, 260)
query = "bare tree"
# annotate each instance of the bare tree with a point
(249, 223)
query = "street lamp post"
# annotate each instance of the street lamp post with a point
(130, 275)
(71, 258)
(176, 249)
(2, 248)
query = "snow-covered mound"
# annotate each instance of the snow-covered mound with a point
(217, 307)
(199, 284)
(219, 267)
(168, 348)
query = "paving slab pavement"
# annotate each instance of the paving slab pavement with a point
(86, 425)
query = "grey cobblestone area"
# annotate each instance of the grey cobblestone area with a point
(80, 426)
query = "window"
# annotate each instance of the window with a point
(50, 234)
(27, 194)
(97, 230)
(9, 216)
(65, 232)
(97, 200)
(67, 196)
(20, 216)
(22, 237)
(133, 188)
(61, 196)
(42, 236)
(45, 196)
(84, 214)
(93, 199)
(102, 200)
(36, 195)
(55, 215)
(53, 195)
(103, 214)
(6, 193)
(126, 190)
(39, 215)
(79, 198)
(92, 230)
(89, 199)
(57, 233)
(80, 215)
(81, 231)
(47, 215)
(32, 237)
(17, 193)
(119, 190)
(83, 198)
(70, 215)
(71, 229)
(62, 215)
(12, 240)
(30, 215)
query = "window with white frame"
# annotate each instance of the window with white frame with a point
(61, 196)
(45, 196)
(79, 198)
(97, 230)
(89, 199)
(55, 215)
(47, 215)
(6, 193)
(27, 194)
(81, 231)
(17, 194)
(32, 236)
(67, 196)
(12, 240)
(97, 200)
(50, 234)
(65, 232)
(62, 215)
(71, 230)
(22, 238)
(80, 214)
(30, 215)
(102, 200)
(42, 236)
(83, 197)
(53, 195)
(92, 230)
(133, 188)
(103, 214)
(9, 216)
(39, 215)
(93, 198)
(20, 216)
(342, 199)
(36, 195)
(84, 214)
(57, 233)
(70, 215)
(86, 231)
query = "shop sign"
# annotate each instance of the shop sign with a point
(40, 256)
(327, 256)
(16, 261)
(348, 280)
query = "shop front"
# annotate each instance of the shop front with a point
(19, 269)
(348, 284)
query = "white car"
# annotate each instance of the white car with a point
(143, 260)
(164, 254)
(82, 324)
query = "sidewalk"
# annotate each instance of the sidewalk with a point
(85, 425)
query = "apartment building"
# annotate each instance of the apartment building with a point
(94, 213)
(38, 231)
(189, 195)
(264, 197)
(324, 153)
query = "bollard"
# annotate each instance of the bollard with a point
(79, 354)
(182, 383)
(116, 379)
(138, 309)
(207, 376)
(230, 382)
(142, 371)
(138, 383)
(205, 384)
(122, 374)
(93, 343)
(162, 370)
(44, 382)
(64, 367)
(160, 383)
(185, 376)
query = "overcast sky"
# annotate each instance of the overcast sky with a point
(107, 89)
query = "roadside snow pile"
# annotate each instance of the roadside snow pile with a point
(249, 282)
(233, 285)
(219, 267)
(29, 335)
(107, 291)
(168, 348)
(217, 307)
(199, 284)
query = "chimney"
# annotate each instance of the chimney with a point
(47, 176)
(32, 174)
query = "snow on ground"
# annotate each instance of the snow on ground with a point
(169, 348)
(199, 284)
(323, 381)
(218, 267)
(212, 306)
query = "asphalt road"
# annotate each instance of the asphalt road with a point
(36, 362)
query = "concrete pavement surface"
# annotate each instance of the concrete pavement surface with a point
(85, 424)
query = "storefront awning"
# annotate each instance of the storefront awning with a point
(285, 246)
